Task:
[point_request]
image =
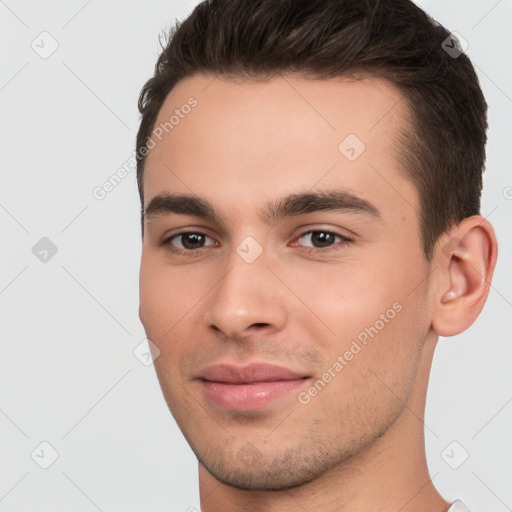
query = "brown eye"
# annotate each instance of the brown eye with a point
(192, 240)
(189, 241)
(319, 239)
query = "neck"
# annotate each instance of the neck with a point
(389, 475)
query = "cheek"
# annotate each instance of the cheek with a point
(373, 305)
(346, 297)
(160, 304)
(150, 289)
(165, 301)
(170, 311)
(371, 361)
(167, 295)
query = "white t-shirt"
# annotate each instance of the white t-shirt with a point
(458, 506)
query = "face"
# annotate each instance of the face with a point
(282, 275)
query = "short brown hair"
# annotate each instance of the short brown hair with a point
(443, 151)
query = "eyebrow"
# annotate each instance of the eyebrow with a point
(292, 205)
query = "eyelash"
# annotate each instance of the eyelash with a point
(187, 252)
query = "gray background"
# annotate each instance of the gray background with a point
(69, 325)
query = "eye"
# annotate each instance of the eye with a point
(321, 239)
(189, 241)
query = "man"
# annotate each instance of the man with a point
(310, 175)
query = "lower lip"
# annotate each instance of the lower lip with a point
(247, 397)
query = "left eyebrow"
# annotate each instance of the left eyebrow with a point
(332, 200)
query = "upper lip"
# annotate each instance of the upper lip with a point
(243, 374)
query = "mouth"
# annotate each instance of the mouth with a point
(249, 387)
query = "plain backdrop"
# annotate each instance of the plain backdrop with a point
(69, 377)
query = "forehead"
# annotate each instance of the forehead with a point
(246, 140)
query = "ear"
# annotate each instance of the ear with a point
(464, 260)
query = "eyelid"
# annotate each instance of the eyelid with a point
(329, 228)
(325, 228)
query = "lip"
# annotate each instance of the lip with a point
(248, 374)
(248, 387)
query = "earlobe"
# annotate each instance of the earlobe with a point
(465, 262)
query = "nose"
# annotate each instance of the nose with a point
(247, 299)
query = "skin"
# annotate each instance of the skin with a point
(358, 445)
